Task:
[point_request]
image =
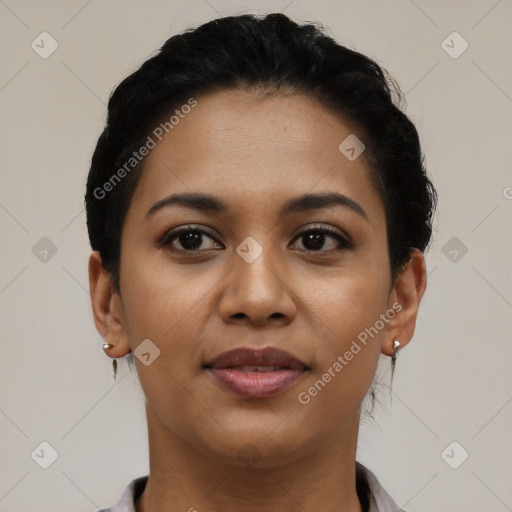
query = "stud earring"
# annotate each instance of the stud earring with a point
(107, 346)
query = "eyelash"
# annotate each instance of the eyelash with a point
(169, 237)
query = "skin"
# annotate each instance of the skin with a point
(254, 153)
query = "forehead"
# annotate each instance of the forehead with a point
(255, 150)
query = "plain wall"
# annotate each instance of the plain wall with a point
(453, 381)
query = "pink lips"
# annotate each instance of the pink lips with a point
(256, 373)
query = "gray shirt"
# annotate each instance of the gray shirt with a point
(380, 500)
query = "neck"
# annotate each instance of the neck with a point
(182, 478)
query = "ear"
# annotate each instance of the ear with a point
(406, 294)
(107, 308)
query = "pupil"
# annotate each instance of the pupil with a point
(317, 240)
(190, 240)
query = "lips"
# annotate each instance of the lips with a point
(266, 357)
(256, 373)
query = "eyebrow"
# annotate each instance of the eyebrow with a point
(209, 203)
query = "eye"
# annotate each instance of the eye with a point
(314, 239)
(190, 238)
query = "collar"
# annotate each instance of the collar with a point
(380, 500)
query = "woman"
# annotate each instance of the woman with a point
(258, 212)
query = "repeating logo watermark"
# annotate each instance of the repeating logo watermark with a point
(44, 455)
(249, 454)
(454, 455)
(146, 352)
(351, 147)
(454, 249)
(44, 45)
(249, 249)
(454, 45)
(44, 249)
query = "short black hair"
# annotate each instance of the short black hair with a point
(269, 54)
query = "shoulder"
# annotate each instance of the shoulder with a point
(380, 500)
(126, 502)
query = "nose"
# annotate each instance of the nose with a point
(257, 293)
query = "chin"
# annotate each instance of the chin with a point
(250, 447)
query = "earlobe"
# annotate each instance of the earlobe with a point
(107, 308)
(405, 298)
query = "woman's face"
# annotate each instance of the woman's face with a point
(256, 270)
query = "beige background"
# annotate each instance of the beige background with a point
(453, 382)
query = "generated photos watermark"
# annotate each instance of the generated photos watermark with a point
(137, 156)
(305, 397)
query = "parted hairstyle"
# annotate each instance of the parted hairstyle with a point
(268, 54)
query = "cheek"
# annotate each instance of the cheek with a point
(349, 331)
(160, 301)
(168, 309)
(342, 305)
(172, 309)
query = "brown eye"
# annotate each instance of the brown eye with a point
(189, 239)
(317, 238)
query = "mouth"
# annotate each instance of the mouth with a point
(255, 373)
